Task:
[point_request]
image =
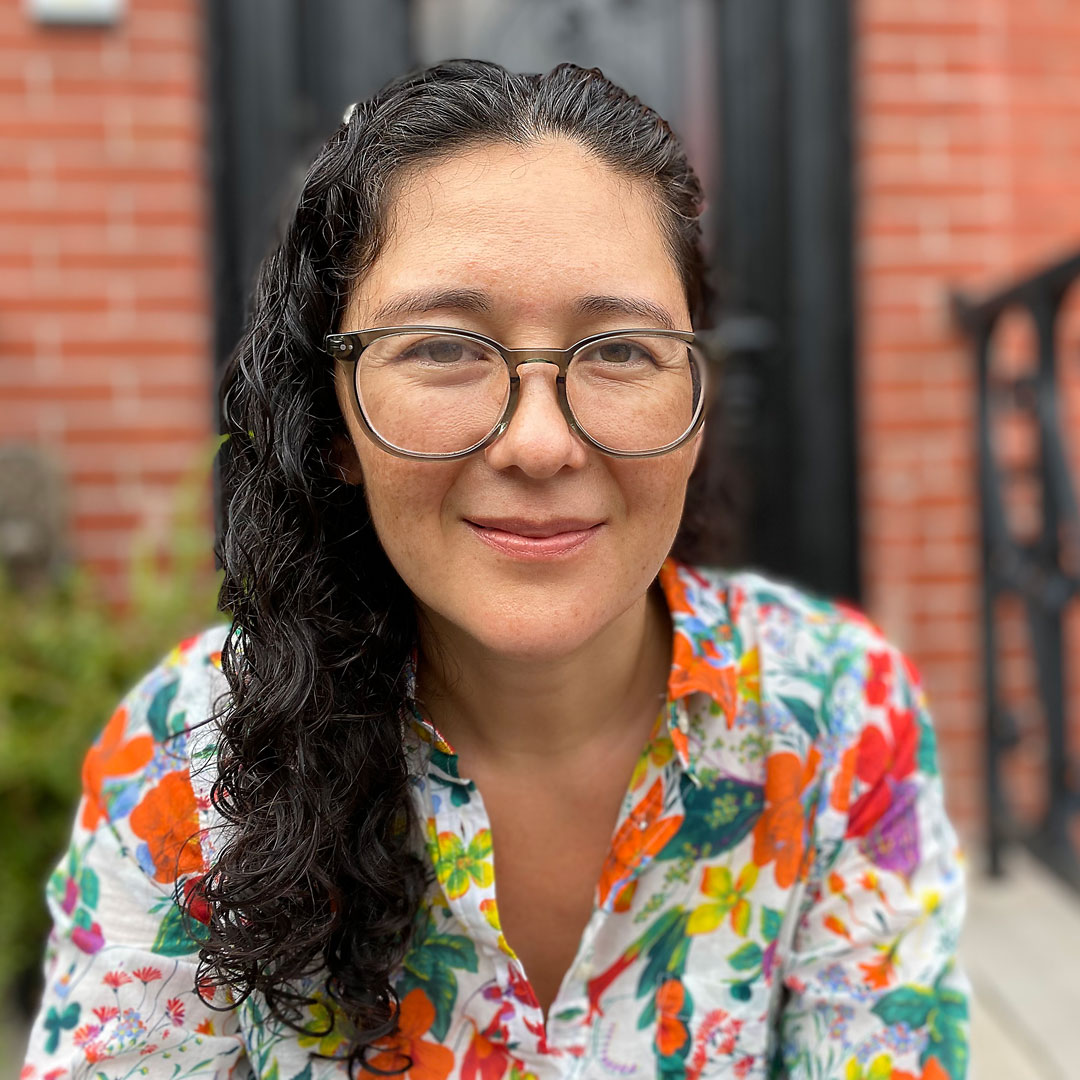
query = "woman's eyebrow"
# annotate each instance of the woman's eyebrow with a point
(474, 301)
(418, 300)
(635, 306)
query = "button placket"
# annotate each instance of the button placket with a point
(467, 821)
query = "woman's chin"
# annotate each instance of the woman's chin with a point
(523, 629)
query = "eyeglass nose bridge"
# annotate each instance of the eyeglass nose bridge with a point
(516, 358)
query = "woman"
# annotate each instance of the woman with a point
(462, 424)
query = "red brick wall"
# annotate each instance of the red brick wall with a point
(968, 173)
(104, 302)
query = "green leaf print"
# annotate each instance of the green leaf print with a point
(430, 964)
(177, 935)
(55, 1022)
(926, 754)
(667, 946)
(572, 1013)
(88, 887)
(948, 1031)
(909, 1005)
(805, 715)
(305, 1074)
(771, 921)
(158, 712)
(459, 794)
(747, 957)
(718, 816)
(948, 1043)
(953, 1003)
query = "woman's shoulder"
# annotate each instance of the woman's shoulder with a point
(768, 608)
(780, 657)
(144, 774)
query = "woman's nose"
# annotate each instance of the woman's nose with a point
(538, 439)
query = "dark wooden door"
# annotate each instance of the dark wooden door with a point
(759, 90)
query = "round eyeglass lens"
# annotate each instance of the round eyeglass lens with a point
(637, 393)
(431, 393)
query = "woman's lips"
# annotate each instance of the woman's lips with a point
(534, 540)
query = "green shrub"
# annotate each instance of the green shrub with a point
(66, 658)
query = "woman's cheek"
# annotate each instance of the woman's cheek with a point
(405, 500)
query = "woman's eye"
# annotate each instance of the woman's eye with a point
(622, 353)
(617, 353)
(443, 352)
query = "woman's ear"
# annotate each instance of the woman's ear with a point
(343, 455)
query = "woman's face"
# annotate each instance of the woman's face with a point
(530, 234)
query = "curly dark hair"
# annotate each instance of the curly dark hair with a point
(320, 874)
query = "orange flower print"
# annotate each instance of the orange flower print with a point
(671, 1033)
(111, 756)
(674, 589)
(640, 837)
(167, 819)
(430, 1061)
(708, 673)
(879, 973)
(836, 925)
(932, 1070)
(779, 835)
(840, 796)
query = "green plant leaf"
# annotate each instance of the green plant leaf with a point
(68, 656)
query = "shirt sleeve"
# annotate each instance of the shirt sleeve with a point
(871, 983)
(120, 996)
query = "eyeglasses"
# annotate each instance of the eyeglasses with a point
(435, 393)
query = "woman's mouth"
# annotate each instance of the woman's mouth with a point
(534, 539)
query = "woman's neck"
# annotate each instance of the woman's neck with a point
(516, 714)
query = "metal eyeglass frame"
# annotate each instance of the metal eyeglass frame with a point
(343, 348)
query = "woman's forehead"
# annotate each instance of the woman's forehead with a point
(539, 222)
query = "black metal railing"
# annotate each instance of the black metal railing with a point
(1041, 571)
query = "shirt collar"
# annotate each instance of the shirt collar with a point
(702, 662)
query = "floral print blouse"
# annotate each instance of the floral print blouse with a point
(782, 896)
